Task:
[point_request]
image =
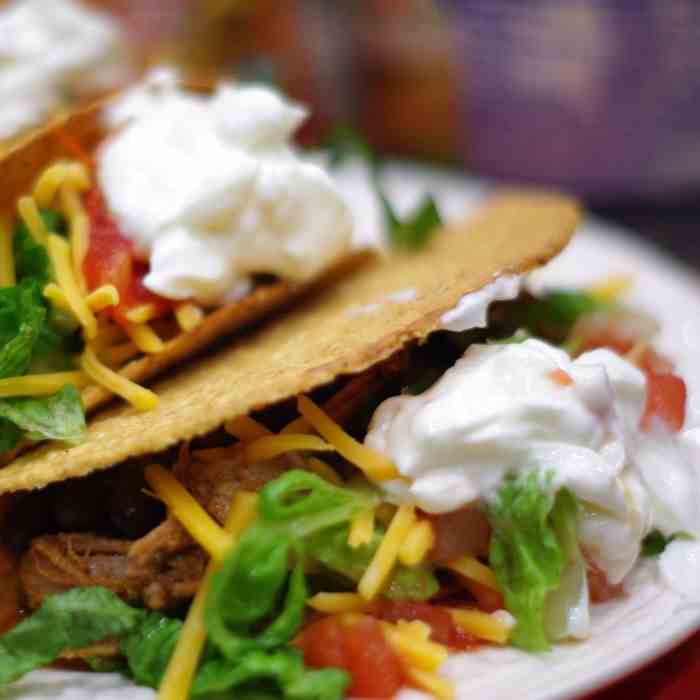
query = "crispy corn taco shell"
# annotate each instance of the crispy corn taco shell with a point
(76, 136)
(348, 327)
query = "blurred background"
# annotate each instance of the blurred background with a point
(599, 97)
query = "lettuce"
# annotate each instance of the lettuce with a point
(534, 540)
(34, 337)
(71, 620)
(57, 417)
(330, 547)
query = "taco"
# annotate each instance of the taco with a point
(141, 230)
(426, 458)
(325, 500)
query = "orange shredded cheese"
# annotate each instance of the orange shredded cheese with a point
(271, 446)
(49, 183)
(144, 338)
(337, 603)
(376, 466)
(387, 553)
(29, 213)
(139, 397)
(246, 429)
(40, 384)
(143, 313)
(481, 624)
(418, 542)
(361, 529)
(182, 666)
(60, 257)
(473, 569)
(188, 511)
(7, 258)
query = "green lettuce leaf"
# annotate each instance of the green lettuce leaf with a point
(71, 620)
(330, 547)
(148, 647)
(22, 317)
(57, 417)
(284, 667)
(302, 503)
(534, 539)
(247, 590)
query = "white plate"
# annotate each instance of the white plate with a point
(627, 634)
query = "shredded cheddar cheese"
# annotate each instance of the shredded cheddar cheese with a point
(189, 316)
(78, 176)
(387, 553)
(418, 543)
(60, 257)
(337, 603)
(29, 212)
(143, 313)
(473, 569)
(270, 446)
(40, 384)
(431, 683)
(7, 258)
(138, 396)
(481, 624)
(375, 465)
(417, 653)
(415, 628)
(144, 338)
(49, 183)
(101, 298)
(188, 511)
(246, 429)
(185, 659)
(361, 529)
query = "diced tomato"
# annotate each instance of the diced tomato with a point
(361, 649)
(10, 591)
(443, 630)
(111, 259)
(464, 531)
(666, 398)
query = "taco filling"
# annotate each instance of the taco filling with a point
(484, 487)
(191, 217)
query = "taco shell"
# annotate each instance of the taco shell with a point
(345, 328)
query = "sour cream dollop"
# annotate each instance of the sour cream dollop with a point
(520, 407)
(210, 189)
(51, 50)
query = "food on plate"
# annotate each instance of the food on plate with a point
(425, 459)
(55, 55)
(141, 230)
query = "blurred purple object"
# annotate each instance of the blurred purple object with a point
(601, 97)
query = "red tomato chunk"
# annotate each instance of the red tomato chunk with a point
(361, 649)
(112, 259)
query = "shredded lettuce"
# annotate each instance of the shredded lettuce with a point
(57, 417)
(35, 337)
(72, 620)
(534, 540)
(413, 231)
(330, 547)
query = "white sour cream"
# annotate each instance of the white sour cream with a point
(50, 50)
(503, 409)
(210, 188)
(472, 309)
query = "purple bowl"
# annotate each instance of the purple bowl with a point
(601, 97)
